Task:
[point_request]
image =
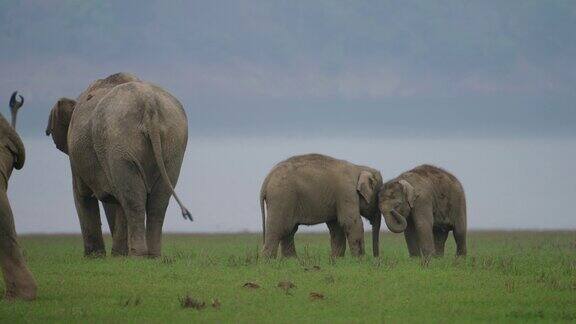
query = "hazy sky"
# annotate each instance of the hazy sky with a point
(456, 68)
(485, 88)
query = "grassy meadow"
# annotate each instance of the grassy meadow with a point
(507, 277)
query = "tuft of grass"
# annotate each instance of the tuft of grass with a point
(506, 277)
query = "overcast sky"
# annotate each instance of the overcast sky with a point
(484, 88)
(447, 68)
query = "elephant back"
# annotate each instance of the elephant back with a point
(99, 88)
(89, 99)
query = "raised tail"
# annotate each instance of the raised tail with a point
(154, 134)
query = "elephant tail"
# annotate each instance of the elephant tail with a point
(263, 205)
(263, 211)
(154, 134)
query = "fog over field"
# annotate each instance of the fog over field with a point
(486, 89)
(510, 183)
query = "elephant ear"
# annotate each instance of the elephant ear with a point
(59, 121)
(10, 139)
(365, 187)
(409, 192)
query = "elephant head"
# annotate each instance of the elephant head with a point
(369, 184)
(10, 139)
(59, 122)
(62, 111)
(395, 201)
(8, 136)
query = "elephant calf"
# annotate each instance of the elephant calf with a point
(312, 189)
(426, 203)
(18, 279)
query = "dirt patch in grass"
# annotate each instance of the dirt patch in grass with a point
(316, 296)
(251, 285)
(190, 302)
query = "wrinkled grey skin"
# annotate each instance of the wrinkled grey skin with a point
(313, 189)
(425, 203)
(126, 140)
(18, 279)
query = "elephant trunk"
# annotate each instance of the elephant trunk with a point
(395, 222)
(376, 235)
(14, 106)
(14, 117)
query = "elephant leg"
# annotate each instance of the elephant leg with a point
(287, 244)
(440, 236)
(119, 234)
(351, 222)
(337, 238)
(18, 280)
(135, 214)
(411, 240)
(425, 237)
(90, 224)
(459, 233)
(271, 242)
(277, 227)
(131, 193)
(155, 213)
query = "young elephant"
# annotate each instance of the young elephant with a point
(125, 139)
(312, 189)
(426, 203)
(18, 279)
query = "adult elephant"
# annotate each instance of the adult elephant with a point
(18, 280)
(126, 140)
(312, 189)
(426, 203)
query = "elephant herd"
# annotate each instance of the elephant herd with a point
(126, 138)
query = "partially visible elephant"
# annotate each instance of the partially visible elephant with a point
(313, 189)
(426, 203)
(18, 279)
(125, 139)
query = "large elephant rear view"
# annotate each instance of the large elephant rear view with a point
(126, 140)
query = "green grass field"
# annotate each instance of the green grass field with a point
(507, 277)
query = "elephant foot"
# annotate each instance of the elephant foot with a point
(138, 248)
(140, 253)
(268, 255)
(358, 252)
(26, 291)
(119, 252)
(154, 255)
(425, 262)
(95, 254)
